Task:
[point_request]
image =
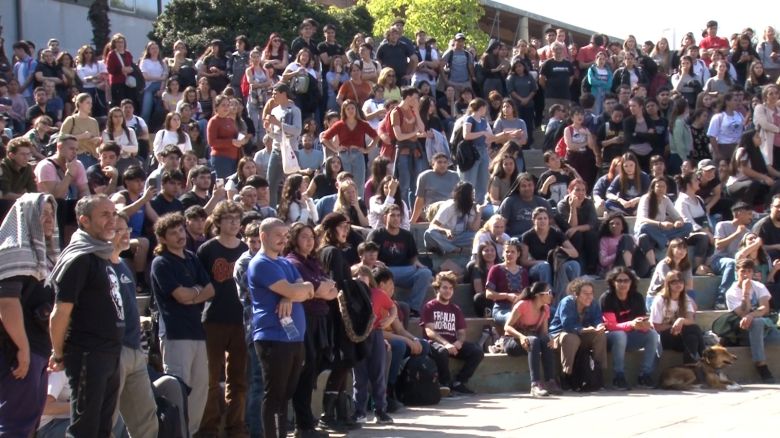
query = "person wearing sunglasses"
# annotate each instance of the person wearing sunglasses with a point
(628, 327)
(672, 315)
(527, 334)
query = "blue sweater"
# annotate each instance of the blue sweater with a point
(567, 320)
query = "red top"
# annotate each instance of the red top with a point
(348, 137)
(221, 131)
(382, 304)
(114, 67)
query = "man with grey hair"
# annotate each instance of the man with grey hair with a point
(87, 323)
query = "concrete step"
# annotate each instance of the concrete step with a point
(474, 327)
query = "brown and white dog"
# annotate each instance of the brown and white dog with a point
(707, 371)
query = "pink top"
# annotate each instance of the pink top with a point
(529, 320)
(46, 171)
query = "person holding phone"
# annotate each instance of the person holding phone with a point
(628, 327)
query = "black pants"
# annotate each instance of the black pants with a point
(470, 354)
(586, 243)
(690, 341)
(122, 91)
(482, 305)
(313, 364)
(282, 363)
(94, 382)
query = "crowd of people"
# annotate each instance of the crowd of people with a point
(264, 196)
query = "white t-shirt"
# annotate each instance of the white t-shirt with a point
(165, 137)
(153, 68)
(485, 236)
(87, 70)
(137, 122)
(59, 389)
(734, 295)
(449, 217)
(727, 129)
(372, 106)
(660, 313)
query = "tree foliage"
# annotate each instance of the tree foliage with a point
(441, 19)
(196, 22)
(101, 25)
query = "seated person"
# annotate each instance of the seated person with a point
(554, 181)
(657, 219)
(537, 243)
(602, 184)
(577, 323)
(167, 201)
(609, 136)
(749, 300)
(527, 333)
(453, 228)
(625, 190)
(171, 157)
(750, 179)
(672, 314)
(433, 185)
(505, 281)
(676, 259)
(580, 223)
(445, 327)
(263, 190)
(103, 177)
(56, 413)
(200, 180)
(693, 211)
(388, 193)
(658, 170)
(476, 275)
(618, 248)
(517, 208)
(628, 328)
(16, 173)
(492, 231)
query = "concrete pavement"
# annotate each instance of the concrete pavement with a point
(754, 411)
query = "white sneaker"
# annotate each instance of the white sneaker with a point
(537, 390)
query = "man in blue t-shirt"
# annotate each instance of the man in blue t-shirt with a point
(278, 323)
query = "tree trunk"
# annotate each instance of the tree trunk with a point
(101, 27)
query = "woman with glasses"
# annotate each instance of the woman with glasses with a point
(676, 259)
(94, 78)
(672, 314)
(505, 282)
(526, 330)
(628, 327)
(543, 244)
(387, 80)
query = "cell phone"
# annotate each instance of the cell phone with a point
(219, 183)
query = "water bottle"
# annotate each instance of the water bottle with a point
(289, 327)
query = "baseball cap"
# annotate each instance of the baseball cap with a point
(460, 36)
(740, 206)
(706, 164)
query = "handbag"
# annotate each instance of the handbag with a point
(289, 159)
(466, 154)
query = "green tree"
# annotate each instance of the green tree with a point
(196, 22)
(441, 19)
(101, 25)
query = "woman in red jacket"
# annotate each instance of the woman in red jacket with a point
(222, 135)
(119, 63)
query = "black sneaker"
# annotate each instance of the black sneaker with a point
(310, 433)
(766, 376)
(619, 383)
(462, 389)
(382, 418)
(393, 405)
(644, 381)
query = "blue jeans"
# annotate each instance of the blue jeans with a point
(371, 369)
(501, 312)
(435, 239)
(354, 162)
(568, 272)
(540, 272)
(415, 278)
(478, 175)
(275, 175)
(661, 237)
(147, 104)
(254, 395)
(760, 333)
(408, 168)
(538, 354)
(726, 268)
(223, 166)
(619, 342)
(87, 160)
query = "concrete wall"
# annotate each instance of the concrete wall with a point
(44, 19)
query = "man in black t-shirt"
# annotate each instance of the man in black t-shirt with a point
(200, 178)
(556, 76)
(88, 322)
(398, 251)
(397, 55)
(223, 320)
(167, 200)
(304, 41)
(768, 229)
(103, 177)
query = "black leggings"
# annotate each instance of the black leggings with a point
(316, 329)
(690, 342)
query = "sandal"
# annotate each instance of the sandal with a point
(704, 270)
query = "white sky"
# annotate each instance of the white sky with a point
(652, 19)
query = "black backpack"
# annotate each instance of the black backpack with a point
(586, 374)
(168, 419)
(466, 155)
(418, 383)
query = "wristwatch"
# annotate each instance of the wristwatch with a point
(56, 359)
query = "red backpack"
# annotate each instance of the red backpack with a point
(244, 86)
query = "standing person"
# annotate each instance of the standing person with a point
(351, 131)
(223, 323)
(85, 129)
(87, 322)
(477, 130)
(278, 323)
(555, 77)
(222, 134)
(155, 73)
(284, 120)
(29, 247)
(119, 64)
(445, 326)
(181, 286)
(725, 129)
(766, 117)
(136, 400)
(407, 128)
